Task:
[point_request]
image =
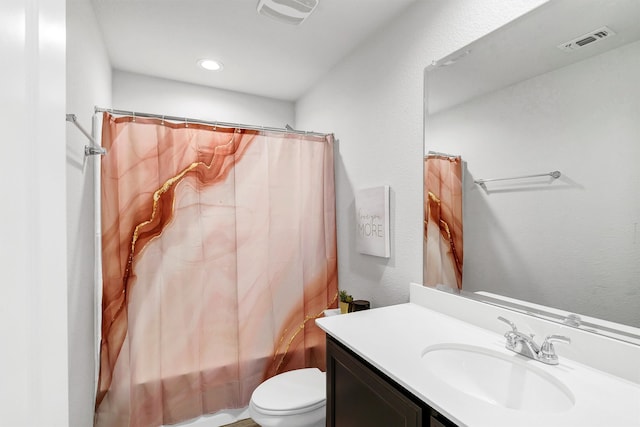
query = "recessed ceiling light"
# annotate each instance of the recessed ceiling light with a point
(210, 64)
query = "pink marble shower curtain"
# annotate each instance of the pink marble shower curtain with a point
(219, 251)
(443, 252)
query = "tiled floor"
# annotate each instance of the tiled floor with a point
(243, 423)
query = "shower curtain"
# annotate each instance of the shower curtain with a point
(443, 252)
(219, 251)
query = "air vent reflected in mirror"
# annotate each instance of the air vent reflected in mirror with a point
(587, 39)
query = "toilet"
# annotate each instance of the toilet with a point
(292, 399)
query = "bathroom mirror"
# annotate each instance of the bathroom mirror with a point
(555, 90)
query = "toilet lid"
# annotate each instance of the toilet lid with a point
(299, 390)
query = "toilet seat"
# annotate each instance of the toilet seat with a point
(294, 392)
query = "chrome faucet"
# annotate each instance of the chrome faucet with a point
(524, 344)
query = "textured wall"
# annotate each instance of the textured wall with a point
(155, 95)
(373, 102)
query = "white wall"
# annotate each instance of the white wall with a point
(373, 102)
(136, 92)
(88, 84)
(571, 243)
(33, 284)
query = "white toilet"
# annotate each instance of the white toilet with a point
(292, 399)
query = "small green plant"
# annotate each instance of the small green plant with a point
(345, 297)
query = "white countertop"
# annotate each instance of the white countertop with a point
(393, 338)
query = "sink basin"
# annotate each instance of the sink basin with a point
(508, 381)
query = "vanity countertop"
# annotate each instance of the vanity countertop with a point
(393, 339)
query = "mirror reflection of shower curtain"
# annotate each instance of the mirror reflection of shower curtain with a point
(443, 251)
(219, 251)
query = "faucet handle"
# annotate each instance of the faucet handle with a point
(547, 352)
(509, 322)
(557, 338)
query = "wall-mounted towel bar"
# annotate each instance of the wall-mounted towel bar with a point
(554, 175)
(89, 150)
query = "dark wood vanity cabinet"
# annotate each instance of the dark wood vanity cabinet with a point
(359, 395)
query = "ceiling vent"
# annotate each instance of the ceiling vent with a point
(290, 11)
(587, 39)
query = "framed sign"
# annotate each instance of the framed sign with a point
(372, 221)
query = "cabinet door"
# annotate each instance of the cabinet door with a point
(440, 423)
(357, 396)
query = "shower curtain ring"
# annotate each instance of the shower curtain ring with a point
(134, 116)
(162, 121)
(186, 123)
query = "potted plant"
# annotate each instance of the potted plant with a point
(345, 301)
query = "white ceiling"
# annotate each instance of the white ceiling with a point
(165, 38)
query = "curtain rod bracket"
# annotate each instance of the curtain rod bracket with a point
(89, 150)
(94, 151)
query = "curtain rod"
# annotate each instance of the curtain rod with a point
(437, 153)
(288, 129)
